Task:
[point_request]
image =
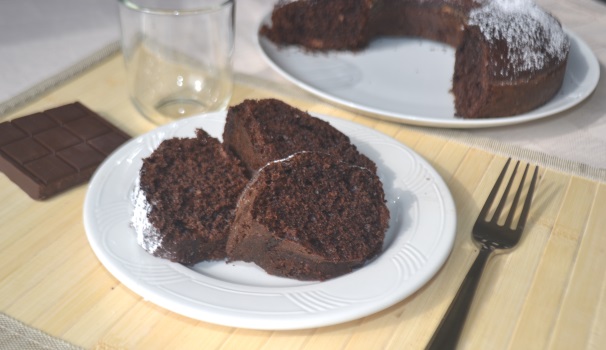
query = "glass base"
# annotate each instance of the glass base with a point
(179, 108)
(170, 110)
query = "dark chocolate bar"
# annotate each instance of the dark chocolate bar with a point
(48, 152)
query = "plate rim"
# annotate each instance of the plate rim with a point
(585, 51)
(327, 318)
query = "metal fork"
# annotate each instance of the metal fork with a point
(491, 235)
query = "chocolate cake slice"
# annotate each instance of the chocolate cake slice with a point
(185, 201)
(259, 131)
(309, 217)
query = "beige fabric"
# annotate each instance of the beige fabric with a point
(15, 335)
(48, 84)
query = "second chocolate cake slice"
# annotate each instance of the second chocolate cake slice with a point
(309, 217)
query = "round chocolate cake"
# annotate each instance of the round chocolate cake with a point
(185, 199)
(510, 54)
(260, 131)
(309, 217)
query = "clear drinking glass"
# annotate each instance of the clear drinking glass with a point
(178, 55)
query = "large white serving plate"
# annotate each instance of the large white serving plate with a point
(408, 80)
(420, 238)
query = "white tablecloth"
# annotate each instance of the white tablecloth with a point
(40, 39)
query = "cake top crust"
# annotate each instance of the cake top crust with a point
(533, 37)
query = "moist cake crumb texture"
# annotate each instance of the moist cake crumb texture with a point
(188, 188)
(310, 216)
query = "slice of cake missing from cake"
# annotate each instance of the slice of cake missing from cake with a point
(309, 217)
(186, 197)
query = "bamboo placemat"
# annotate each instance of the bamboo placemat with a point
(548, 293)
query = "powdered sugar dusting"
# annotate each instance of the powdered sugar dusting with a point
(148, 236)
(533, 37)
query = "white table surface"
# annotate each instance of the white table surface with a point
(39, 39)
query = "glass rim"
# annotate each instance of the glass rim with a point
(133, 5)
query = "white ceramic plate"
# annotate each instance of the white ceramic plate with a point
(408, 80)
(420, 237)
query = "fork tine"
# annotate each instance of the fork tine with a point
(499, 210)
(516, 199)
(494, 191)
(526, 207)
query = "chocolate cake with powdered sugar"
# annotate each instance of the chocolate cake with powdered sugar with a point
(310, 217)
(185, 199)
(510, 55)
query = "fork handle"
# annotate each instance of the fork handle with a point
(449, 330)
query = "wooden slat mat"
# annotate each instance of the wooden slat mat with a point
(550, 292)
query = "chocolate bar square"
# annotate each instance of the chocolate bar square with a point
(49, 152)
